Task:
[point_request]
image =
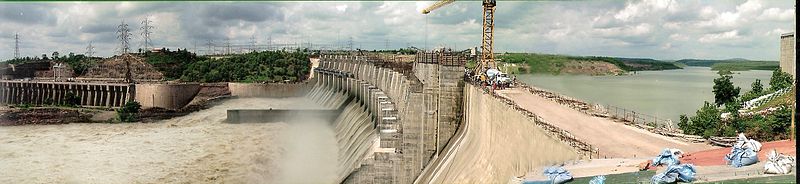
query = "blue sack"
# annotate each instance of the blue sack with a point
(558, 175)
(675, 173)
(666, 158)
(741, 157)
(598, 180)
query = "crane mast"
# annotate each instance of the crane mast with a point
(487, 45)
(487, 42)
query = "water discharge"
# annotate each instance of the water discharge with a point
(196, 148)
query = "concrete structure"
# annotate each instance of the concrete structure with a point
(787, 53)
(270, 90)
(45, 93)
(416, 116)
(492, 149)
(169, 96)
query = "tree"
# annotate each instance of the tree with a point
(55, 55)
(724, 91)
(707, 120)
(757, 87)
(780, 80)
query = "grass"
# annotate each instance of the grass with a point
(768, 179)
(775, 102)
(537, 63)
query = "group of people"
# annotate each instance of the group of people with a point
(485, 81)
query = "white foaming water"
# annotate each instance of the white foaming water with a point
(196, 148)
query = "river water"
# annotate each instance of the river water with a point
(666, 94)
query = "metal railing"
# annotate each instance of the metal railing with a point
(634, 117)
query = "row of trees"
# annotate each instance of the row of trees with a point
(80, 63)
(708, 120)
(266, 66)
(172, 63)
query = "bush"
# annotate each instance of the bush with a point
(780, 80)
(71, 100)
(128, 112)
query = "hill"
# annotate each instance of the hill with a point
(736, 64)
(590, 65)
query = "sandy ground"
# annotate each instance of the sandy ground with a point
(615, 140)
(716, 156)
(197, 148)
(586, 168)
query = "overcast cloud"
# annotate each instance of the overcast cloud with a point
(660, 29)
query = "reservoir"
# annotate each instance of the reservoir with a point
(666, 94)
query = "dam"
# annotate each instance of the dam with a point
(398, 124)
(360, 119)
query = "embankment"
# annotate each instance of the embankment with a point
(497, 143)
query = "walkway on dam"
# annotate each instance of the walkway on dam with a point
(613, 139)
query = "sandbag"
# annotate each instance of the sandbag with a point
(667, 157)
(741, 157)
(778, 163)
(598, 180)
(674, 174)
(558, 175)
(745, 143)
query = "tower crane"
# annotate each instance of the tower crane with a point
(487, 43)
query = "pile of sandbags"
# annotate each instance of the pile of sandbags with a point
(674, 174)
(668, 157)
(778, 163)
(744, 152)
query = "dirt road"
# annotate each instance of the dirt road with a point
(615, 140)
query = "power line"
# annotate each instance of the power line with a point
(146, 26)
(16, 45)
(124, 36)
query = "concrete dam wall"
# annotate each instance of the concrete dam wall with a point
(411, 120)
(268, 90)
(495, 144)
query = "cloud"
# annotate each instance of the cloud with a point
(26, 14)
(724, 36)
(663, 29)
(776, 14)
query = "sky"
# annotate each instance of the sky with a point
(659, 29)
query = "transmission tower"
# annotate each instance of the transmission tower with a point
(210, 50)
(253, 43)
(350, 43)
(146, 31)
(228, 46)
(269, 43)
(90, 50)
(387, 44)
(124, 36)
(16, 46)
